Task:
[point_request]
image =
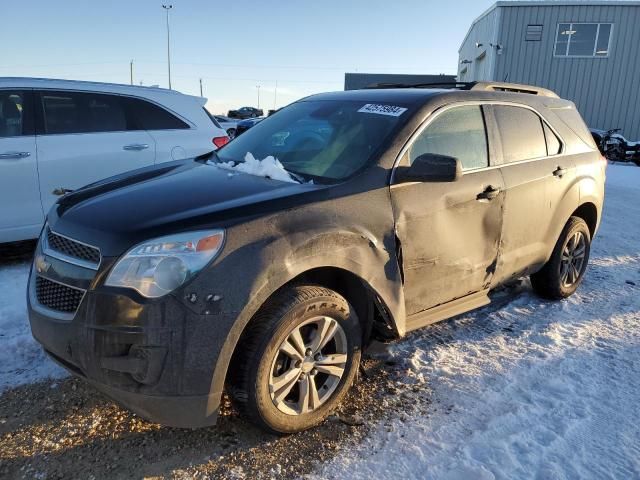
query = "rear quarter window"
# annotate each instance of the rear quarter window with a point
(572, 119)
(148, 116)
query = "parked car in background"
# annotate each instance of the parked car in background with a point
(388, 210)
(228, 124)
(58, 135)
(244, 125)
(246, 112)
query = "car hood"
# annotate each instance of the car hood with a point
(118, 212)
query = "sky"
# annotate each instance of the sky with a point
(302, 46)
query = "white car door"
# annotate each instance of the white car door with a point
(84, 137)
(21, 213)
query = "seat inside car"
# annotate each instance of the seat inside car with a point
(10, 119)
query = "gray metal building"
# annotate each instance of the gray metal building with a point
(355, 81)
(586, 51)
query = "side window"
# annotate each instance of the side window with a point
(15, 118)
(458, 132)
(106, 113)
(521, 133)
(63, 113)
(553, 142)
(149, 116)
(77, 112)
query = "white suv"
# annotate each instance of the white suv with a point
(58, 135)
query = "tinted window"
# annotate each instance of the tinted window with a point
(521, 133)
(13, 118)
(320, 139)
(458, 132)
(74, 112)
(553, 142)
(149, 116)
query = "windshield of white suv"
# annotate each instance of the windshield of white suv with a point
(320, 139)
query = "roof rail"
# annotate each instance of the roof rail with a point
(514, 88)
(459, 85)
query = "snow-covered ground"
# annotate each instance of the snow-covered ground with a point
(531, 389)
(21, 358)
(524, 388)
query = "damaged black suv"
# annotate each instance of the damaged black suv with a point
(264, 268)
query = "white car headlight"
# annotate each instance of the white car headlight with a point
(159, 266)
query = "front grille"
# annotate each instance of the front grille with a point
(56, 296)
(71, 248)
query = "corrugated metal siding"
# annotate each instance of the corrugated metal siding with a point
(606, 90)
(485, 32)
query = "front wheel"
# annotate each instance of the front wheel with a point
(563, 273)
(297, 359)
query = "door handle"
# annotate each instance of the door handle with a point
(489, 193)
(14, 155)
(559, 172)
(136, 147)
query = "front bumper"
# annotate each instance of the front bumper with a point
(156, 357)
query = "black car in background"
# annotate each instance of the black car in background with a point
(244, 125)
(246, 112)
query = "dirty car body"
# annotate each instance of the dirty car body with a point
(403, 253)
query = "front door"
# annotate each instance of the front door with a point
(449, 232)
(85, 137)
(21, 214)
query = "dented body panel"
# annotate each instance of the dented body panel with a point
(421, 251)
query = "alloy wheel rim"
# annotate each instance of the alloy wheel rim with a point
(308, 366)
(573, 256)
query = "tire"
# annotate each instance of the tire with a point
(231, 133)
(563, 273)
(268, 384)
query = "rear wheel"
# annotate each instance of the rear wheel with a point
(563, 273)
(297, 359)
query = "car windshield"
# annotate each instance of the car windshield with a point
(319, 139)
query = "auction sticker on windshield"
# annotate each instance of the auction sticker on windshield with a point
(391, 110)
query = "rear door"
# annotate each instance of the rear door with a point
(537, 176)
(449, 232)
(21, 214)
(83, 137)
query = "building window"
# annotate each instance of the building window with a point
(583, 39)
(534, 33)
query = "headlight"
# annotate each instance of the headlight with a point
(159, 266)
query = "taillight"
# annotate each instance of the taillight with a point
(221, 141)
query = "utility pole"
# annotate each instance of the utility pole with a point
(201, 88)
(131, 71)
(275, 95)
(258, 87)
(167, 8)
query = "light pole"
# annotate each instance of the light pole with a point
(167, 8)
(258, 87)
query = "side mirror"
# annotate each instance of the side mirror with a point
(430, 167)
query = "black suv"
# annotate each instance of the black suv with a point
(386, 210)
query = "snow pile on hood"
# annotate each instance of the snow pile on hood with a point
(269, 167)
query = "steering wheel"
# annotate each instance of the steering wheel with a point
(306, 141)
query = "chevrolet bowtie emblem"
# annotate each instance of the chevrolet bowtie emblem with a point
(41, 264)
